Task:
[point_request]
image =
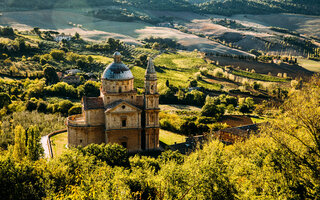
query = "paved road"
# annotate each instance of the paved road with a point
(45, 146)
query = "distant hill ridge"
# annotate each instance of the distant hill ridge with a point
(222, 7)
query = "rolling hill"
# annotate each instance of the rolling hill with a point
(223, 7)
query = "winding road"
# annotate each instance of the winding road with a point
(45, 146)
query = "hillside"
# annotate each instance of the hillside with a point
(222, 7)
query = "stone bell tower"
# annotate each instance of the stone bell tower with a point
(151, 108)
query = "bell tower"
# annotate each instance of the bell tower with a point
(151, 108)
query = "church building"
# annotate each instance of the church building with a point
(119, 115)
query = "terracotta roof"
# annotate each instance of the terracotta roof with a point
(242, 130)
(91, 103)
(236, 120)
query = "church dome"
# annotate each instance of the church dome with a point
(117, 70)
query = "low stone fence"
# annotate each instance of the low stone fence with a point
(49, 141)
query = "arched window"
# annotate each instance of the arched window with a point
(124, 144)
(120, 89)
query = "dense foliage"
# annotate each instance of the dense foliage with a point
(281, 163)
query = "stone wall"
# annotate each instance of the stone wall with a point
(151, 87)
(129, 97)
(152, 138)
(95, 117)
(131, 139)
(85, 135)
(114, 120)
(117, 86)
(152, 118)
(152, 101)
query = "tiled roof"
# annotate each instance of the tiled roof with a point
(236, 120)
(242, 130)
(116, 103)
(90, 103)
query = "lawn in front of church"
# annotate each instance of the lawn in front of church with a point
(60, 141)
(170, 138)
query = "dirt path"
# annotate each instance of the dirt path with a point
(45, 146)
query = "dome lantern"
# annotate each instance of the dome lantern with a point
(117, 57)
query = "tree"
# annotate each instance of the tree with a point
(31, 105)
(42, 106)
(20, 43)
(57, 54)
(50, 74)
(6, 31)
(64, 106)
(141, 60)
(195, 97)
(247, 106)
(193, 83)
(74, 110)
(4, 99)
(77, 36)
(112, 154)
(256, 86)
(156, 45)
(19, 149)
(212, 110)
(91, 89)
(297, 134)
(37, 30)
(90, 59)
(34, 148)
(189, 128)
(167, 83)
(63, 90)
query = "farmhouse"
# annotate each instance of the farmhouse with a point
(59, 38)
(119, 115)
(237, 134)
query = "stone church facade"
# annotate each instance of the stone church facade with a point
(119, 115)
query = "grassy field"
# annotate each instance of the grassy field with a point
(170, 138)
(178, 107)
(180, 68)
(102, 59)
(145, 50)
(257, 76)
(32, 37)
(138, 73)
(259, 120)
(59, 143)
(309, 64)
